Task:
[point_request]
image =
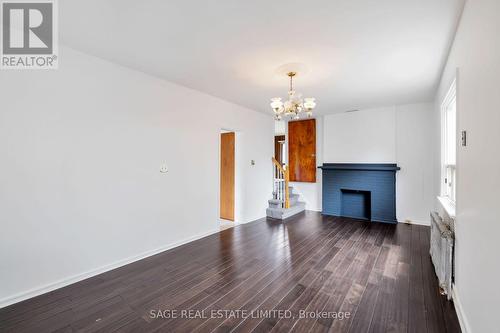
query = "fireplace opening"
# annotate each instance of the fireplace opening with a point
(356, 204)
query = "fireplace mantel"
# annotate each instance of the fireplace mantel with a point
(360, 166)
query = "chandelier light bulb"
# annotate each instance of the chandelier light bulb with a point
(309, 103)
(276, 103)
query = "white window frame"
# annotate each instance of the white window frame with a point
(448, 171)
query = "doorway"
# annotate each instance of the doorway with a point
(279, 149)
(227, 175)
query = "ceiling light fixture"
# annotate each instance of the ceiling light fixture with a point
(294, 106)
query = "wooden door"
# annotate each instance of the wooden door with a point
(302, 150)
(227, 176)
(278, 148)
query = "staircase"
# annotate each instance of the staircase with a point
(284, 203)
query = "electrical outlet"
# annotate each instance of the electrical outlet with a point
(164, 168)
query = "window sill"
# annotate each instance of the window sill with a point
(448, 206)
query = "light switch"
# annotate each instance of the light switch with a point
(164, 168)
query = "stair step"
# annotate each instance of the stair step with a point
(283, 213)
(275, 203)
(291, 196)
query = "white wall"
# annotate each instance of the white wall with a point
(476, 56)
(367, 136)
(415, 154)
(80, 153)
(397, 134)
(279, 127)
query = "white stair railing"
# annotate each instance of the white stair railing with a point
(281, 184)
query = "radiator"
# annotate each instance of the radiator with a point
(442, 241)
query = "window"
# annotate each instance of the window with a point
(448, 144)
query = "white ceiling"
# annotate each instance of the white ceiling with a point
(360, 53)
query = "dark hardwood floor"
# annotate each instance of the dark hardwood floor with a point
(378, 273)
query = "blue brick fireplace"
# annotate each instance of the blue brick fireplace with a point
(362, 191)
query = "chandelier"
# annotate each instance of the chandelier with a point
(294, 106)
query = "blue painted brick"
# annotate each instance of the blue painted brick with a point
(377, 179)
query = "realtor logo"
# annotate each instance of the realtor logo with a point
(29, 34)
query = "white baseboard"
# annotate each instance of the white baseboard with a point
(426, 223)
(464, 324)
(85, 275)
